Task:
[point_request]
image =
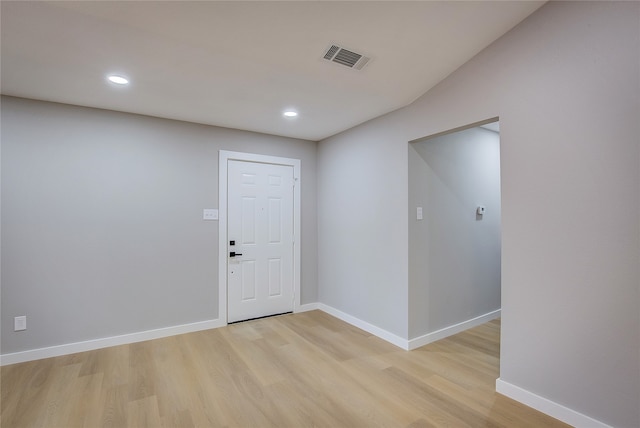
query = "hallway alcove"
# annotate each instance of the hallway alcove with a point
(454, 252)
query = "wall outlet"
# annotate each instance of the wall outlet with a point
(210, 214)
(20, 323)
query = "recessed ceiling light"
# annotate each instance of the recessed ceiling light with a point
(290, 113)
(118, 80)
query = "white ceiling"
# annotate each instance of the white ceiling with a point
(240, 64)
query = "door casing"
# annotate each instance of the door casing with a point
(224, 158)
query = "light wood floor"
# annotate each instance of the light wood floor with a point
(301, 370)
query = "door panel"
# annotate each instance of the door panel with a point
(248, 280)
(248, 221)
(260, 221)
(275, 277)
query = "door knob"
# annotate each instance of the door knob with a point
(233, 254)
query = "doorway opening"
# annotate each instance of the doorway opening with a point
(454, 231)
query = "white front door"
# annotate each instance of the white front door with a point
(260, 213)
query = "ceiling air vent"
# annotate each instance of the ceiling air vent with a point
(346, 57)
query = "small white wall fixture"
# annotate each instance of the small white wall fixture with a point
(224, 158)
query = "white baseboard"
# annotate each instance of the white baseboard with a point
(306, 307)
(547, 406)
(453, 329)
(89, 345)
(377, 331)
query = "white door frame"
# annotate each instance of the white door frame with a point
(225, 157)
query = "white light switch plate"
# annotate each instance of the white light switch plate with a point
(419, 213)
(20, 323)
(210, 214)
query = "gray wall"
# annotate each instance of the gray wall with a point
(362, 241)
(454, 255)
(102, 230)
(566, 86)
